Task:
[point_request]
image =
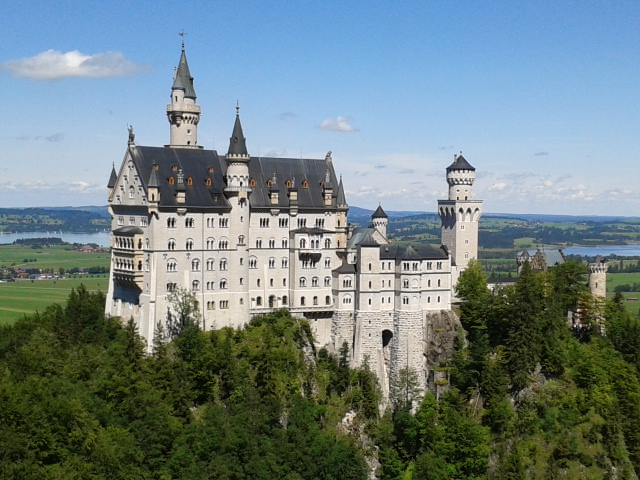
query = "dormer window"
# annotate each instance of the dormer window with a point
(190, 181)
(210, 169)
(269, 183)
(305, 184)
(252, 182)
(174, 168)
(171, 181)
(288, 183)
(208, 182)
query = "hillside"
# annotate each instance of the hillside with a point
(528, 398)
(43, 219)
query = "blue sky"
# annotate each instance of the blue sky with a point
(541, 97)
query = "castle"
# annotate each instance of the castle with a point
(247, 235)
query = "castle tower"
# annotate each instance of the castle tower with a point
(237, 191)
(183, 113)
(598, 277)
(460, 215)
(341, 216)
(380, 220)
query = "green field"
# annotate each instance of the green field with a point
(56, 257)
(25, 296)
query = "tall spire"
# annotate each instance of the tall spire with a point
(341, 199)
(237, 143)
(183, 112)
(183, 79)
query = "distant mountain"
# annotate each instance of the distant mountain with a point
(357, 213)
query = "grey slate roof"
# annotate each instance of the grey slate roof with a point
(363, 237)
(113, 178)
(309, 172)
(346, 268)
(379, 213)
(552, 257)
(341, 199)
(237, 142)
(460, 163)
(184, 80)
(411, 252)
(128, 231)
(154, 181)
(196, 164)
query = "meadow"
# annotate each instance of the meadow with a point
(24, 297)
(50, 258)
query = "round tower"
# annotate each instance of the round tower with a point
(183, 113)
(598, 277)
(380, 221)
(460, 177)
(460, 215)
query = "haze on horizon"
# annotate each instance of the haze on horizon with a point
(540, 97)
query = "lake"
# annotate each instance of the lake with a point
(604, 250)
(99, 238)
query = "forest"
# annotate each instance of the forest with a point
(531, 396)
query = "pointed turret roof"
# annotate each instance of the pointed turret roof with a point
(460, 163)
(327, 179)
(237, 144)
(341, 199)
(379, 213)
(184, 80)
(113, 178)
(154, 181)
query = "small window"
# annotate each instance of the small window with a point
(207, 182)
(305, 184)
(171, 181)
(190, 181)
(252, 182)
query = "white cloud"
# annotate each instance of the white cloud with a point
(52, 65)
(77, 187)
(338, 124)
(498, 186)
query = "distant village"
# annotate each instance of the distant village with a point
(21, 271)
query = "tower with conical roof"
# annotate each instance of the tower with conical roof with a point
(183, 113)
(237, 159)
(380, 220)
(460, 215)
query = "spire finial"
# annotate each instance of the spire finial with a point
(182, 34)
(237, 108)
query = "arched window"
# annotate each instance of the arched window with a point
(303, 282)
(171, 181)
(207, 182)
(258, 301)
(171, 244)
(210, 264)
(314, 282)
(327, 300)
(327, 243)
(223, 284)
(189, 181)
(195, 264)
(210, 243)
(252, 182)
(303, 243)
(195, 285)
(285, 299)
(189, 244)
(305, 184)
